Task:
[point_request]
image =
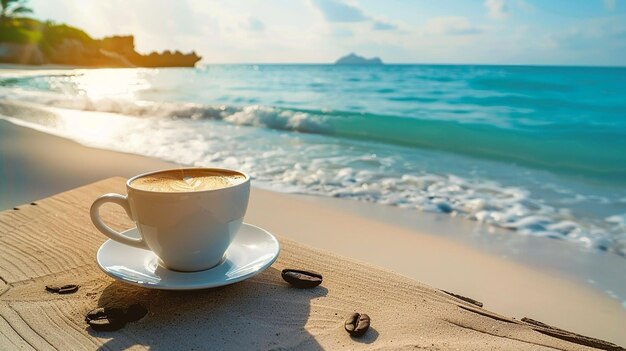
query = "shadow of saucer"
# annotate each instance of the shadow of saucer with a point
(259, 313)
(370, 336)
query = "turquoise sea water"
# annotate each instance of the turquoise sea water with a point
(538, 150)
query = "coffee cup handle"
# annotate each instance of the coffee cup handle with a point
(105, 229)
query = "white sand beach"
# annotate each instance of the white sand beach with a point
(37, 165)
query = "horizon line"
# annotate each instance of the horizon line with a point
(415, 64)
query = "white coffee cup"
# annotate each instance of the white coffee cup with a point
(187, 230)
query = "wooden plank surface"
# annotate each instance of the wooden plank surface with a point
(52, 241)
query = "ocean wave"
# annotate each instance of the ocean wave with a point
(577, 152)
(359, 170)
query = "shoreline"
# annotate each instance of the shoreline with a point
(347, 229)
(21, 67)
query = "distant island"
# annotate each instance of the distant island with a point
(354, 59)
(32, 42)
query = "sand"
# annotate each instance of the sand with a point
(51, 242)
(410, 313)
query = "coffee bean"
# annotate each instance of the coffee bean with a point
(62, 289)
(53, 288)
(357, 324)
(68, 289)
(106, 319)
(107, 324)
(302, 279)
(135, 312)
(103, 312)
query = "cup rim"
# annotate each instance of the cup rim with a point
(130, 180)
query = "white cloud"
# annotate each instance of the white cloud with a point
(253, 24)
(451, 25)
(593, 34)
(339, 11)
(525, 5)
(342, 32)
(380, 25)
(497, 9)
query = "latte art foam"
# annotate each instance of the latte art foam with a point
(187, 180)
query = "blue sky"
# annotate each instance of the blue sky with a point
(571, 32)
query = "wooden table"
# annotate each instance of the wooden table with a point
(52, 241)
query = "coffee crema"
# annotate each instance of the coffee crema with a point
(187, 180)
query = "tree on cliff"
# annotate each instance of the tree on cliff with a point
(13, 8)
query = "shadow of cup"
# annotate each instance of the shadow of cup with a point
(260, 313)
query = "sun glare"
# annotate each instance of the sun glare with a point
(118, 83)
(94, 128)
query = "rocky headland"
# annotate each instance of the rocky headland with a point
(32, 42)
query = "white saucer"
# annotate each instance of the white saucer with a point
(251, 252)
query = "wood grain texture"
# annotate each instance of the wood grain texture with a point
(54, 242)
